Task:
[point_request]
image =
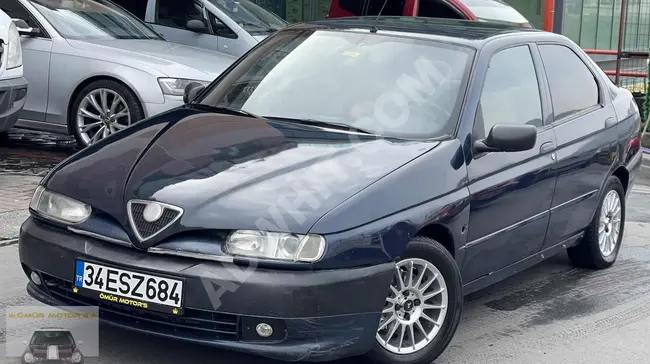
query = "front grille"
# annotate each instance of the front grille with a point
(146, 229)
(194, 324)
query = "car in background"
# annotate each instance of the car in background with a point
(229, 26)
(478, 10)
(13, 86)
(52, 345)
(95, 69)
(356, 218)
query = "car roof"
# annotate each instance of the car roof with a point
(465, 32)
(52, 329)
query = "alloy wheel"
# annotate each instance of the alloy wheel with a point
(415, 307)
(609, 226)
(101, 113)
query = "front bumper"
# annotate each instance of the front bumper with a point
(316, 315)
(170, 102)
(12, 100)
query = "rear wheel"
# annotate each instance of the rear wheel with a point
(102, 108)
(602, 240)
(423, 307)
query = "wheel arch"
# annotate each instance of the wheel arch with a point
(441, 234)
(88, 81)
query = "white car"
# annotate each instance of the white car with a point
(13, 86)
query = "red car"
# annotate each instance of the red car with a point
(478, 10)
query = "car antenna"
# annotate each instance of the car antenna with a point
(374, 29)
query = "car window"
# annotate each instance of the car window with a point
(573, 86)
(510, 93)
(373, 7)
(176, 13)
(52, 338)
(437, 9)
(395, 86)
(15, 10)
(496, 10)
(220, 28)
(250, 16)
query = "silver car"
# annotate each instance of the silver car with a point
(229, 26)
(94, 69)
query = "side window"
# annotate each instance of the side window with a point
(16, 11)
(176, 14)
(220, 28)
(573, 86)
(437, 9)
(510, 93)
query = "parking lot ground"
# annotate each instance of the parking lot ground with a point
(551, 313)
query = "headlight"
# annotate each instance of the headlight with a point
(28, 358)
(283, 246)
(59, 207)
(176, 86)
(76, 357)
(14, 50)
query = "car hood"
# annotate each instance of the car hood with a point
(230, 172)
(171, 59)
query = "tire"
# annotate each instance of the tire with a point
(422, 249)
(110, 88)
(588, 253)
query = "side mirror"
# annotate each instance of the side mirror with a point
(508, 138)
(196, 26)
(24, 342)
(80, 343)
(25, 29)
(191, 91)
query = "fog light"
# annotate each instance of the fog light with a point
(264, 330)
(35, 278)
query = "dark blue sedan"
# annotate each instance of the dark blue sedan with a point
(341, 188)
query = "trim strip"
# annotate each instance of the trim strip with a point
(180, 253)
(505, 229)
(575, 200)
(100, 237)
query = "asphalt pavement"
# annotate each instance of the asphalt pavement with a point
(552, 313)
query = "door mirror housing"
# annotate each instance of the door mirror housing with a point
(25, 29)
(191, 91)
(508, 138)
(24, 342)
(196, 26)
(80, 343)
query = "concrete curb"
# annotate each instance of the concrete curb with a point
(8, 242)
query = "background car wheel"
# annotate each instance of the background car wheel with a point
(602, 240)
(423, 307)
(101, 109)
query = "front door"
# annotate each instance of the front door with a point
(511, 193)
(36, 63)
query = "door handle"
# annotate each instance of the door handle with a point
(547, 147)
(609, 122)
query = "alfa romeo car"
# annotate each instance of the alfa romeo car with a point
(52, 345)
(339, 190)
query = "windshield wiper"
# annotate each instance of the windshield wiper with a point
(224, 110)
(324, 124)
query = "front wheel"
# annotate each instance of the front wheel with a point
(423, 307)
(102, 108)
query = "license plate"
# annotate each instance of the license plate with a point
(128, 288)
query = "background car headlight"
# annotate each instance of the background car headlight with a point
(176, 86)
(14, 50)
(59, 207)
(267, 245)
(28, 358)
(76, 357)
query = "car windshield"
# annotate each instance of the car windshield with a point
(495, 10)
(52, 338)
(93, 19)
(250, 16)
(385, 85)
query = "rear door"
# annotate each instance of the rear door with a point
(585, 125)
(511, 193)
